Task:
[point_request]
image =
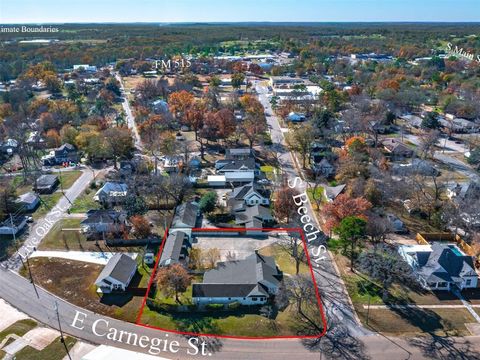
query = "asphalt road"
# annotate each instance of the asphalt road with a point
(336, 302)
(20, 293)
(130, 118)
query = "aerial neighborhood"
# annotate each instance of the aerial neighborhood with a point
(181, 198)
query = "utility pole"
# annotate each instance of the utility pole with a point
(61, 187)
(62, 339)
(21, 258)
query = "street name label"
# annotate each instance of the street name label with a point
(154, 345)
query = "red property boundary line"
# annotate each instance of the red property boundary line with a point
(212, 230)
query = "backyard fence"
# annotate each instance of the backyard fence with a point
(426, 238)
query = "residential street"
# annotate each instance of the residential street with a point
(128, 112)
(41, 227)
(20, 293)
(335, 300)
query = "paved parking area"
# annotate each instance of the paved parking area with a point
(237, 247)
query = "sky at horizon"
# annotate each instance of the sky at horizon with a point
(63, 11)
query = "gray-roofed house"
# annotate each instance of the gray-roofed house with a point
(65, 153)
(112, 193)
(117, 274)
(441, 266)
(331, 192)
(250, 194)
(397, 149)
(46, 184)
(104, 221)
(257, 212)
(413, 121)
(416, 167)
(239, 154)
(233, 165)
(185, 218)
(28, 201)
(251, 281)
(176, 248)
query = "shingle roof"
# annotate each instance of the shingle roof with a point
(27, 198)
(444, 263)
(172, 248)
(239, 278)
(46, 180)
(233, 165)
(113, 189)
(185, 213)
(102, 216)
(239, 193)
(66, 146)
(251, 270)
(253, 212)
(119, 267)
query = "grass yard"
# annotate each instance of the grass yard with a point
(85, 202)
(67, 178)
(54, 351)
(77, 285)
(252, 325)
(405, 322)
(58, 239)
(65, 235)
(46, 204)
(19, 328)
(284, 261)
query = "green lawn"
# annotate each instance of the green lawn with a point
(46, 204)
(57, 239)
(20, 328)
(284, 261)
(224, 324)
(54, 351)
(85, 202)
(68, 178)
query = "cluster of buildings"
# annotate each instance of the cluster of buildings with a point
(294, 89)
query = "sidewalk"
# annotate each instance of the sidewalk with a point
(100, 258)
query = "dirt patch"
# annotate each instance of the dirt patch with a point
(75, 282)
